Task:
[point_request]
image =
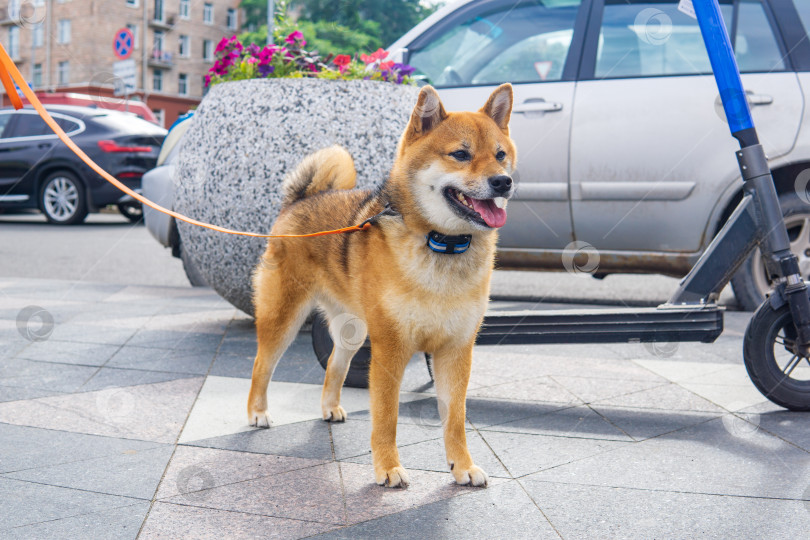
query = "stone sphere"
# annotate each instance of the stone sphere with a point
(246, 135)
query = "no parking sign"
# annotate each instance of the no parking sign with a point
(123, 43)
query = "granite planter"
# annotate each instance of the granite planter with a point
(244, 138)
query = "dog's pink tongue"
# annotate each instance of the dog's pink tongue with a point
(494, 216)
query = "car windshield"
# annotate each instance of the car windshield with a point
(527, 43)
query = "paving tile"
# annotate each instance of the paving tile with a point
(23, 448)
(590, 389)
(168, 339)
(680, 370)
(730, 397)
(115, 524)
(69, 352)
(130, 474)
(221, 406)
(671, 397)
(311, 494)
(706, 458)
(523, 453)
(501, 511)
(93, 333)
(366, 500)
(790, 425)
(116, 378)
(423, 411)
(634, 513)
(154, 412)
(193, 469)
(579, 421)
(487, 412)
(642, 424)
(430, 456)
(21, 373)
(10, 393)
(25, 503)
(539, 389)
(305, 439)
(177, 521)
(153, 359)
(353, 437)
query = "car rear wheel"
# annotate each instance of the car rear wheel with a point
(62, 199)
(751, 282)
(133, 211)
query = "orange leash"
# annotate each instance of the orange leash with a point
(9, 74)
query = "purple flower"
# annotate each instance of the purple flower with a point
(265, 69)
(253, 49)
(404, 69)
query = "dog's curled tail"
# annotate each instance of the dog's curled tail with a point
(328, 168)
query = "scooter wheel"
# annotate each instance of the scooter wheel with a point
(782, 375)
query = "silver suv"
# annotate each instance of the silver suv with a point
(622, 142)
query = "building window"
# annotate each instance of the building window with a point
(158, 15)
(39, 35)
(157, 44)
(185, 9)
(36, 76)
(160, 114)
(157, 80)
(208, 50)
(208, 13)
(64, 72)
(231, 18)
(182, 84)
(135, 38)
(184, 47)
(14, 41)
(132, 3)
(64, 31)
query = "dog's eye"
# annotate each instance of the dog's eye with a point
(500, 155)
(460, 155)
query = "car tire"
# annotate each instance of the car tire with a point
(751, 283)
(133, 211)
(194, 276)
(62, 199)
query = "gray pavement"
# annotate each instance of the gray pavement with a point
(122, 416)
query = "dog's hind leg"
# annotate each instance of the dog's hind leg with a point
(348, 335)
(282, 305)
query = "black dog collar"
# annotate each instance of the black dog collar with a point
(445, 243)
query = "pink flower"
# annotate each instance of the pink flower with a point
(296, 36)
(266, 54)
(385, 66)
(342, 62)
(252, 60)
(379, 54)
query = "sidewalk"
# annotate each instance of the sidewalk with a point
(125, 417)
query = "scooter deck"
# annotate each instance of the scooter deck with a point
(661, 324)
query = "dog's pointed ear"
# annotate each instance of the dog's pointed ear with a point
(499, 106)
(427, 114)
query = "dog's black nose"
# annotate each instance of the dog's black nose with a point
(501, 184)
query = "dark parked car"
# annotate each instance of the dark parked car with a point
(38, 171)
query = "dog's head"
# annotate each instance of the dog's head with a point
(459, 165)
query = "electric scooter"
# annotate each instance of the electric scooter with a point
(777, 340)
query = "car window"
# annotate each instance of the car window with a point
(527, 43)
(67, 124)
(4, 123)
(29, 125)
(654, 39)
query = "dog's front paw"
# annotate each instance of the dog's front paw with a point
(395, 477)
(259, 419)
(474, 476)
(334, 414)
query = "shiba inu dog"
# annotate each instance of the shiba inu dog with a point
(418, 280)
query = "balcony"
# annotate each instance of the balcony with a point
(160, 59)
(163, 22)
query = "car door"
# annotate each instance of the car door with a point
(535, 46)
(26, 140)
(651, 154)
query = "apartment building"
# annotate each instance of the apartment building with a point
(67, 46)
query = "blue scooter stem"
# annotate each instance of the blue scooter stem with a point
(726, 72)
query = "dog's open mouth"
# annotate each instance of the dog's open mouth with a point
(489, 212)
